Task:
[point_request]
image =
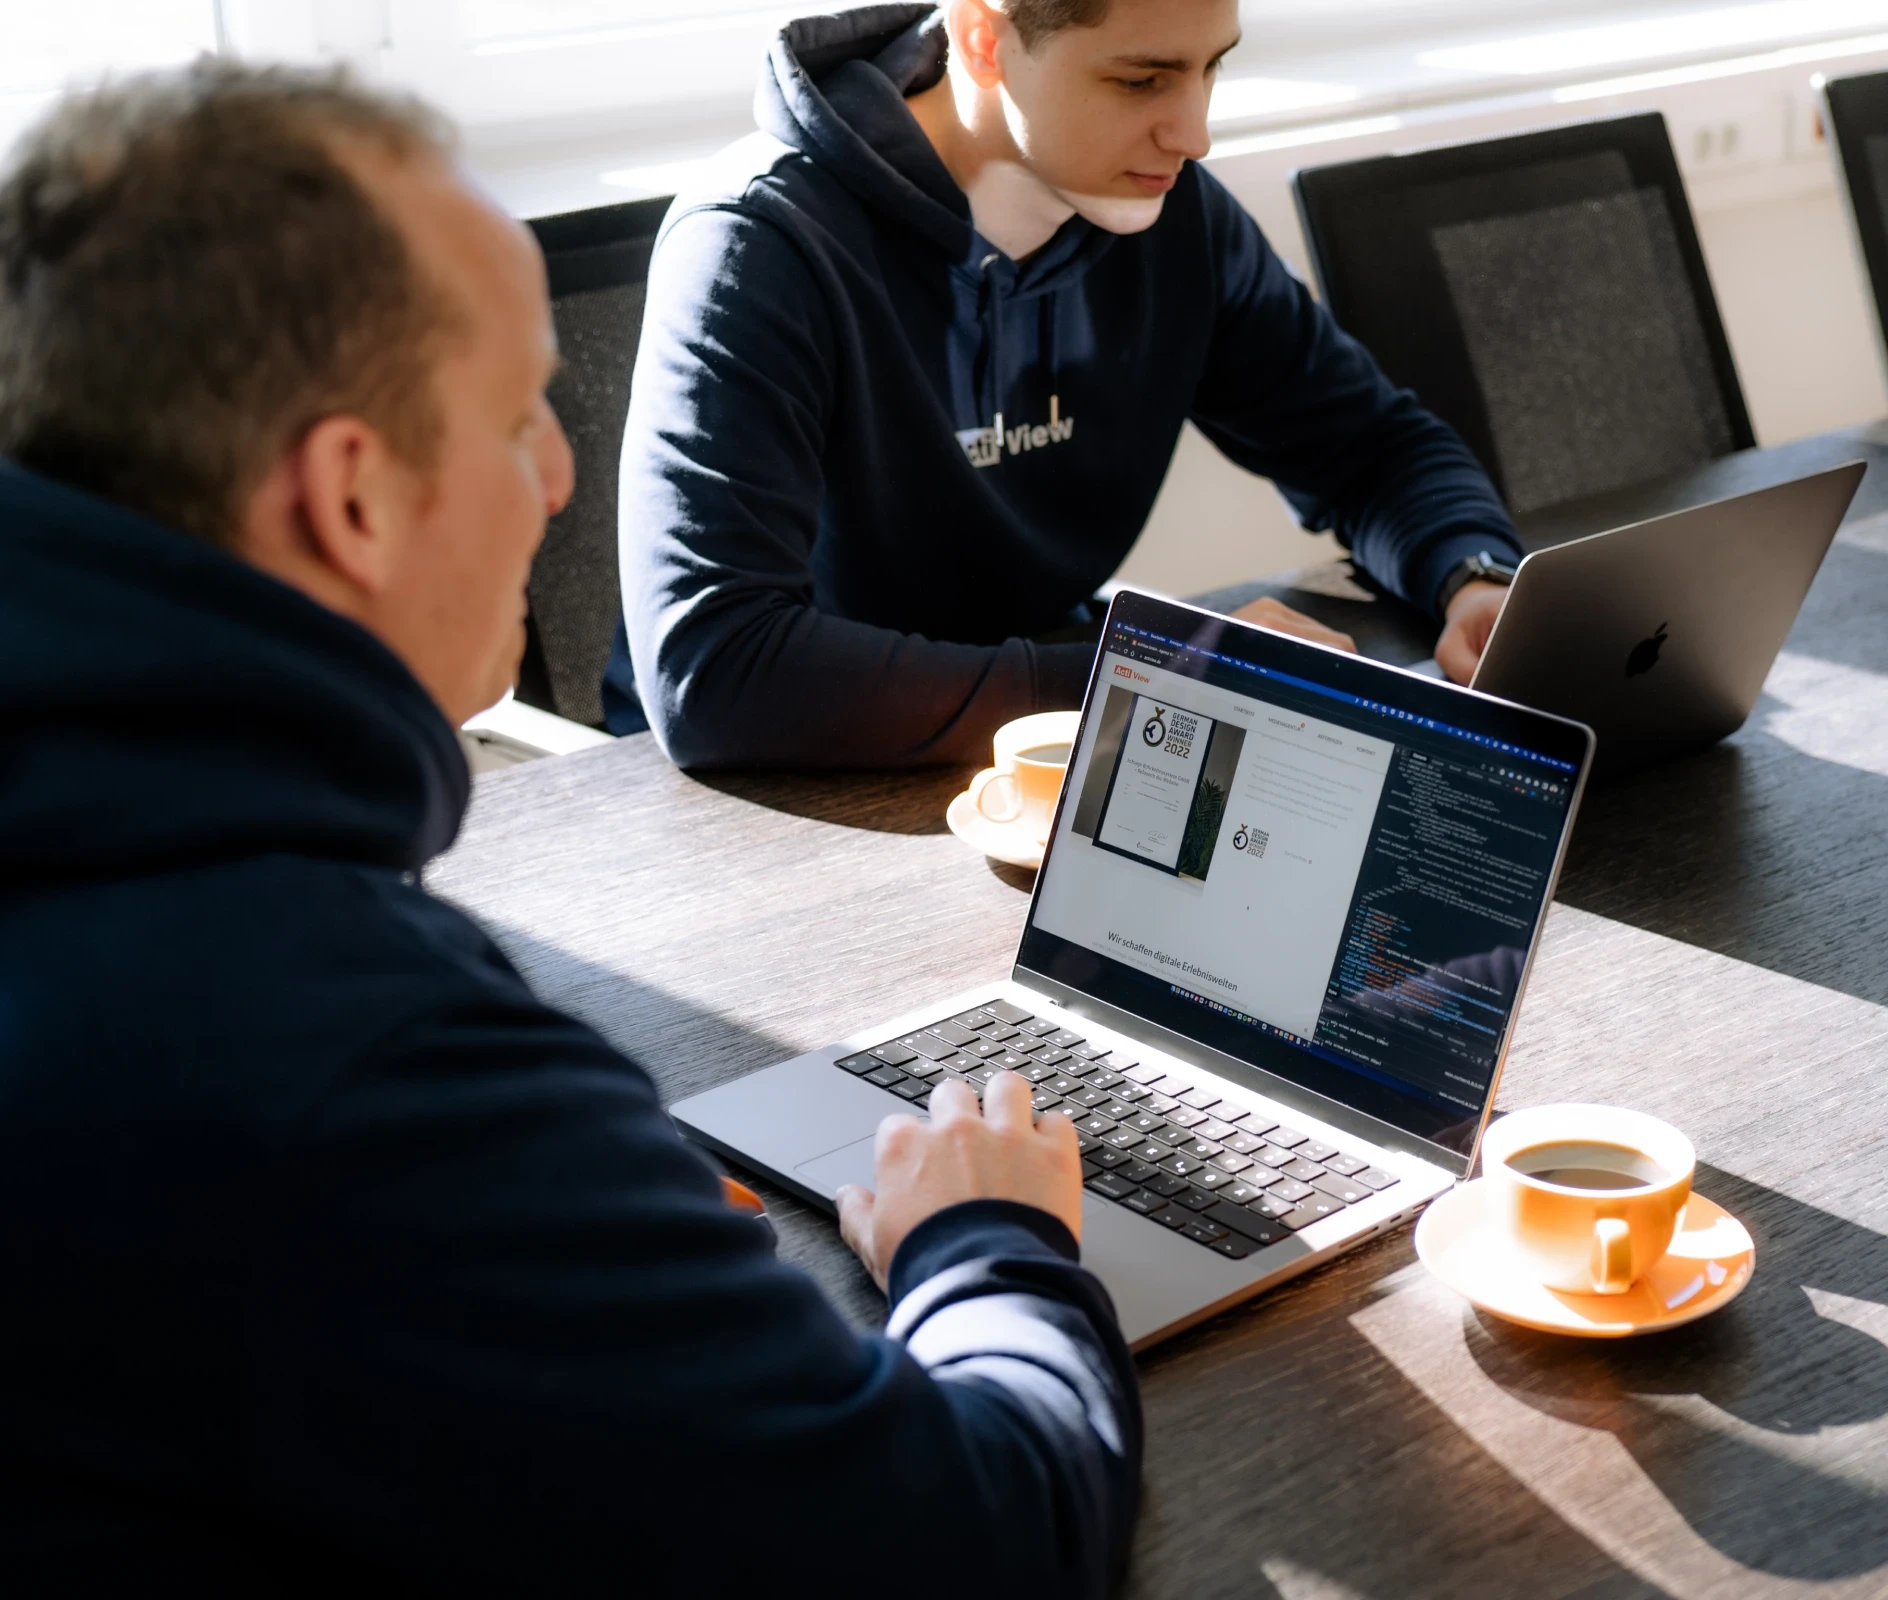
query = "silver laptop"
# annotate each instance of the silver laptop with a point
(1659, 636)
(1271, 967)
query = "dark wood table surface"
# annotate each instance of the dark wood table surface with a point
(1718, 956)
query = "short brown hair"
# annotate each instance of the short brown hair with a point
(190, 278)
(1035, 20)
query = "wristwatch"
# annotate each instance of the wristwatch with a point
(1482, 567)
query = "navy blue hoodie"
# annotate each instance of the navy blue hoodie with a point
(331, 1256)
(831, 555)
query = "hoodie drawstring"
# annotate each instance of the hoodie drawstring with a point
(993, 315)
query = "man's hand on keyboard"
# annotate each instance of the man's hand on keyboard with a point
(965, 1152)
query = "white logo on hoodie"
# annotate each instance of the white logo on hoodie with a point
(986, 447)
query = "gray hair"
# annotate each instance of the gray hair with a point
(190, 279)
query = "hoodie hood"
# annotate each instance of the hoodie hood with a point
(165, 705)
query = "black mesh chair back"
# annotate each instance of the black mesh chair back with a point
(1855, 115)
(599, 268)
(1545, 295)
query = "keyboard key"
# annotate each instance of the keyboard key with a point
(1088, 1098)
(1033, 1072)
(974, 1019)
(1158, 1103)
(1144, 1074)
(1211, 1178)
(1314, 1151)
(1003, 1011)
(1125, 1138)
(1197, 1199)
(912, 1089)
(1202, 1232)
(1137, 1172)
(1087, 1146)
(1023, 1045)
(1260, 1230)
(1228, 1162)
(1088, 1052)
(1271, 1156)
(1042, 1100)
(956, 1063)
(999, 1033)
(896, 1055)
(1165, 1183)
(1255, 1123)
(1146, 1202)
(1111, 1107)
(1146, 1121)
(1200, 1149)
(1009, 1061)
(860, 1064)
(1181, 1166)
(1167, 1134)
(1303, 1216)
(1259, 1177)
(1287, 1138)
(1346, 1190)
(1226, 1111)
(1039, 1027)
(1075, 1066)
(1053, 1058)
(1270, 1209)
(1372, 1178)
(1243, 1143)
(953, 1033)
(1239, 1194)
(1345, 1166)
(1065, 1109)
(1108, 1159)
(1133, 1093)
(925, 1069)
(1121, 1063)
(1102, 1078)
(983, 1049)
(885, 1077)
(1291, 1189)
(1167, 1083)
(1234, 1247)
(1172, 1217)
(1186, 1118)
(1199, 1099)
(983, 1074)
(929, 1045)
(1215, 1127)
(1063, 1039)
(1096, 1124)
(1062, 1084)
(1112, 1185)
(1304, 1171)
(1090, 1170)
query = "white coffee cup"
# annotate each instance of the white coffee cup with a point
(1031, 760)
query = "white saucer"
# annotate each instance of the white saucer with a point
(1008, 842)
(1709, 1263)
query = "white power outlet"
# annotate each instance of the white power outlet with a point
(1736, 139)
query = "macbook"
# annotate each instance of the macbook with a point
(1659, 635)
(1270, 970)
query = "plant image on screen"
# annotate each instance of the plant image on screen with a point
(1202, 831)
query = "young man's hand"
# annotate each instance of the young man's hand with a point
(963, 1153)
(1466, 627)
(1268, 613)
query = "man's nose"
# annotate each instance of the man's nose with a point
(559, 468)
(1186, 133)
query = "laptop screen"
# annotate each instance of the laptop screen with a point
(1325, 869)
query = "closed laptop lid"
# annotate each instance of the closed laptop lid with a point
(1327, 874)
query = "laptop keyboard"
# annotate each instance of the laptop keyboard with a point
(1152, 1139)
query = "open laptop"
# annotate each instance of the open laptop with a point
(1271, 967)
(1659, 635)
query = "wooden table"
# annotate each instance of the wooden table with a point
(1718, 956)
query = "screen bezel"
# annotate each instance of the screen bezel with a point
(1482, 714)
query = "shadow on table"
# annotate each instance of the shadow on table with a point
(906, 801)
(1739, 1418)
(686, 1050)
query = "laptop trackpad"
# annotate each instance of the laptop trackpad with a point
(850, 1163)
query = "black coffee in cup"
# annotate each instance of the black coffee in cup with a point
(1582, 1164)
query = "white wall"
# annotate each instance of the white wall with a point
(1776, 238)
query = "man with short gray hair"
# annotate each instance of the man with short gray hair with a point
(332, 1255)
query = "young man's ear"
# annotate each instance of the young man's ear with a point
(977, 30)
(352, 500)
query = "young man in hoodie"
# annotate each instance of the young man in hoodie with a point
(335, 1261)
(914, 363)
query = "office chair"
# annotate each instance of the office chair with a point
(1543, 294)
(1855, 116)
(599, 269)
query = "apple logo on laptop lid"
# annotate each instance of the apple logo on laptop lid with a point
(1645, 654)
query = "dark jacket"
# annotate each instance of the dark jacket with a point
(830, 555)
(330, 1254)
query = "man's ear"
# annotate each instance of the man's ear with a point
(977, 31)
(354, 500)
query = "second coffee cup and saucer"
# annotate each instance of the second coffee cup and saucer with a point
(1585, 1222)
(1007, 810)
